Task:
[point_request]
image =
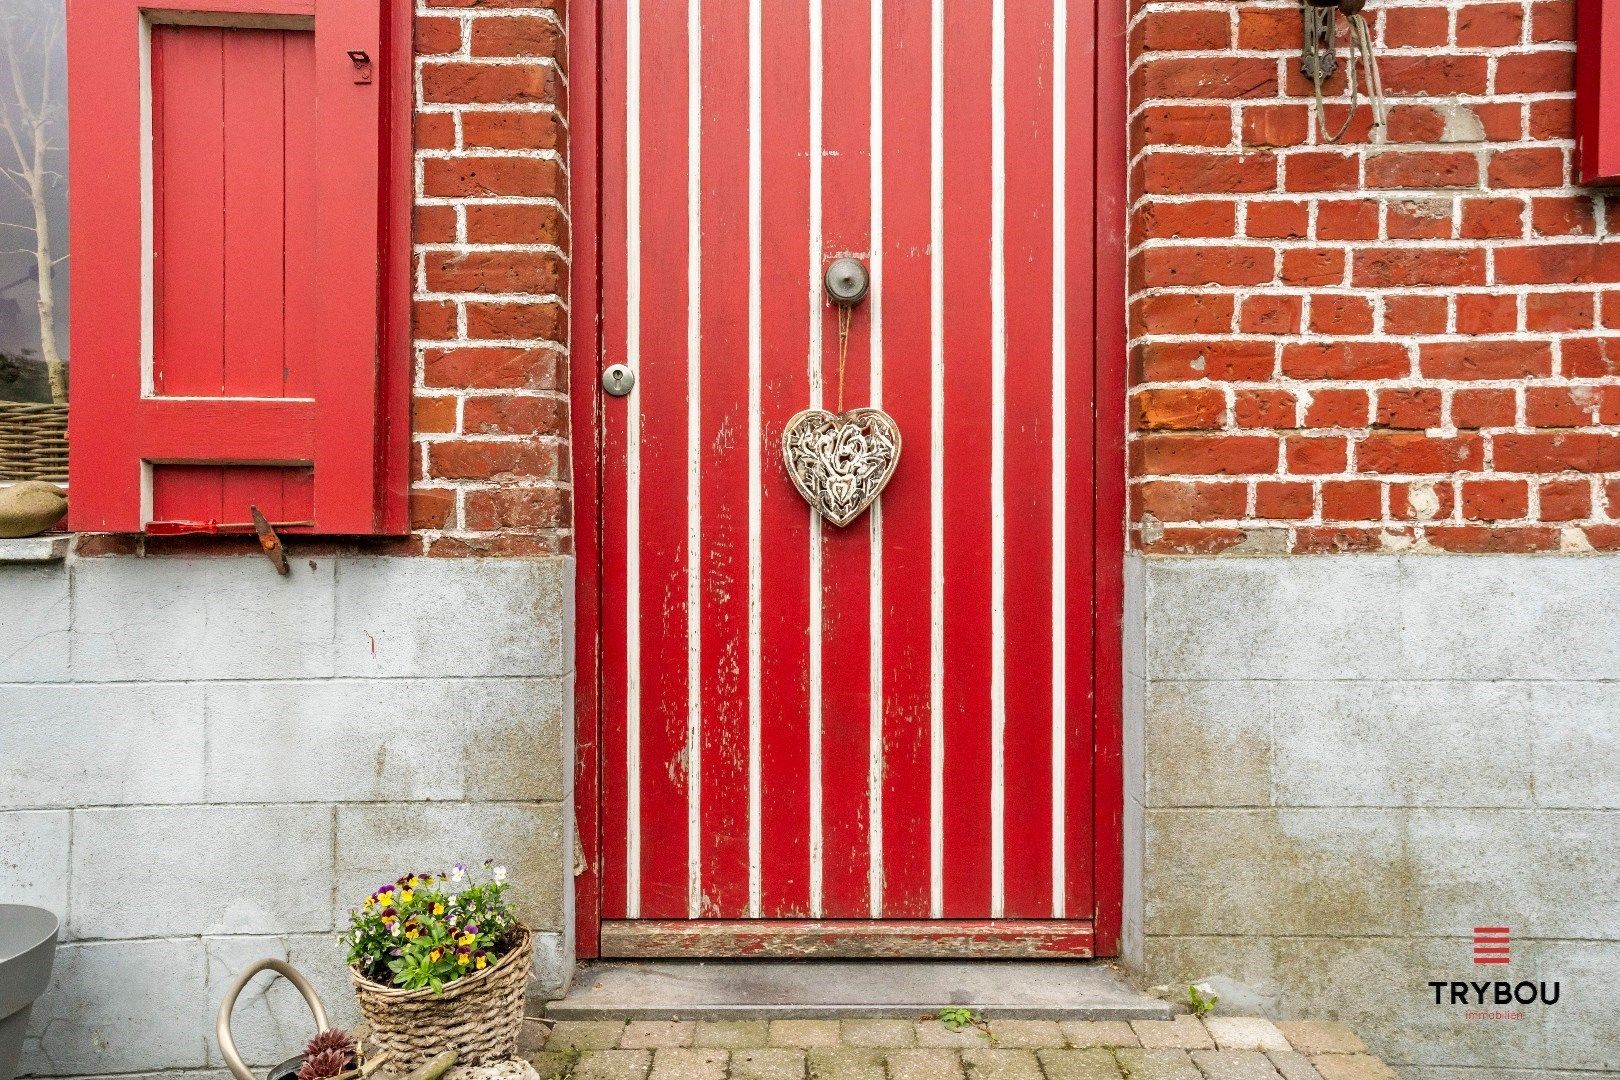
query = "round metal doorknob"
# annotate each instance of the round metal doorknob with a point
(847, 282)
(618, 380)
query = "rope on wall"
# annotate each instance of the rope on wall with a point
(1319, 59)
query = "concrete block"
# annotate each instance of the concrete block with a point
(924, 1064)
(613, 1065)
(1278, 872)
(49, 548)
(1079, 1065)
(101, 745)
(1157, 1064)
(155, 871)
(376, 843)
(1292, 1065)
(1244, 1033)
(1088, 1033)
(1547, 872)
(772, 1064)
(1180, 1033)
(585, 1034)
(886, 1033)
(1320, 1037)
(803, 1033)
(1209, 744)
(845, 1063)
(1026, 1034)
(1233, 1065)
(467, 617)
(652, 1034)
(688, 1064)
(34, 847)
(987, 1064)
(271, 1022)
(121, 1006)
(1575, 744)
(1402, 744)
(222, 618)
(1297, 618)
(365, 740)
(732, 1034)
(34, 633)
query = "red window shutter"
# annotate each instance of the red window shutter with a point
(1597, 91)
(239, 214)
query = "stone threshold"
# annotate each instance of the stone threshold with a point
(1182, 1048)
(897, 989)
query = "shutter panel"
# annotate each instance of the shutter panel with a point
(1597, 91)
(236, 215)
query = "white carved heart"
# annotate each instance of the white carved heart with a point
(841, 462)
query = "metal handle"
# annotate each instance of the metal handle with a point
(222, 1022)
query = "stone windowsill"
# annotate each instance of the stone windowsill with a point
(52, 547)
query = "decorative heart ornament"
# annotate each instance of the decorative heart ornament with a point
(841, 462)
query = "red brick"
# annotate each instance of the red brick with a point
(1275, 125)
(1485, 359)
(1591, 358)
(518, 508)
(1341, 314)
(1182, 313)
(1483, 25)
(1167, 361)
(1264, 408)
(1493, 218)
(1542, 72)
(1609, 309)
(513, 130)
(1201, 219)
(1412, 408)
(1417, 123)
(1282, 500)
(1559, 311)
(1336, 408)
(433, 508)
(435, 225)
(1262, 29)
(1201, 77)
(515, 415)
(1527, 167)
(1313, 266)
(1422, 169)
(1178, 409)
(1415, 27)
(1197, 29)
(1182, 125)
(433, 320)
(1562, 215)
(436, 34)
(1346, 360)
(435, 131)
(1431, 75)
(1309, 455)
(490, 84)
(433, 415)
(1180, 500)
(1487, 313)
(1565, 501)
(1483, 408)
(1423, 500)
(514, 459)
(1352, 500)
(1277, 220)
(1418, 266)
(461, 177)
(1338, 539)
(1171, 173)
(1560, 406)
(1167, 455)
(533, 272)
(1556, 451)
(1347, 219)
(493, 368)
(1270, 313)
(517, 223)
(1495, 500)
(1404, 452)
(1552, 21)
(1481, 539)
(1414, 314)
(527, 36)
(1163, 266)
(1554, 119)
(1195, 541)
(1419, 219)
(1316, 170)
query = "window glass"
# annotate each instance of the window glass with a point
(33, 202)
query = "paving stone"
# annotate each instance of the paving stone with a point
(681, 1063)
(1083, 1033)
(931, 1063)
(585, 1035)
(1351, 1067)
(534, 1033)
(1180, 1033)
(1079, 1065)
(1320, 1037)
(1234, 1065)
(652, 1034)
(732, 1034)
(845, 1063)
(804, 1033)
(551, 1064)
(1293, 1065)
(1157, 1064)
(612, 1064)
(772, 1064)
(986, 1064)
(1244, 1033)
(886, 1033)
(1026, 1034)
(933, 1033)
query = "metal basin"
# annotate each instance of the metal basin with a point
(27, 947)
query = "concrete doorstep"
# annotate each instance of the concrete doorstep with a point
(1182, 1048)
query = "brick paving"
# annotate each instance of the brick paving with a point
(1216, 1048)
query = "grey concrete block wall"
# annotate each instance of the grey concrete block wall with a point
(202, 764)
(1348, 762)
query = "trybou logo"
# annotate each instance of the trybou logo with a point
(1493, 945)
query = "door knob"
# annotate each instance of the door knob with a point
(618, 380)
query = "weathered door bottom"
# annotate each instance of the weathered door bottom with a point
(847, 938)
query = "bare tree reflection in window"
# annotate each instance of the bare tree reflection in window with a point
(33, 198)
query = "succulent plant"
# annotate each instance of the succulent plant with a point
(323, 1064)
(330, 1039)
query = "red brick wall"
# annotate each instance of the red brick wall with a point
(1368, 347)
(491, 442)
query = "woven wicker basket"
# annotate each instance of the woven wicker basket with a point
(33, 442)
(477, 1016)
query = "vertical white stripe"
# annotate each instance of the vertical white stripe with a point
(1060, 137)
(936, 531)
(874, 635)
(998, 455)
(632, 455)
(815, 403)
(694, 461)
(755, 453)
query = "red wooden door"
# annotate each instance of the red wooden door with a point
(880, 738)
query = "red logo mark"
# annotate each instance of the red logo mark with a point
(1491, 944)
